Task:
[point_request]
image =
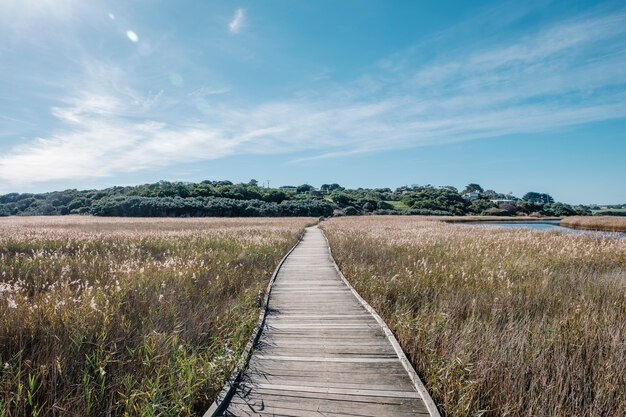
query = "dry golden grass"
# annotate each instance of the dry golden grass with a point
(608, 223)
(497, 322)
(128, 316)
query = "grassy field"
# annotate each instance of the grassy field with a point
(497, 322)
(103, 317)
(608, 223)
(615, 210)
(398, 205)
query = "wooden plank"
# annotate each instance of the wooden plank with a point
(335, 390)
(257, 365)
(329, 380)
(341, 345)
(246, 410)
(324, 403)
(353, 367)
(329, 352)
(328, 325)
(321, 316)
(339, 402)
(365, 378)
(271, 410)
(324, 359)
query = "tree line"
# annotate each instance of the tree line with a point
(227, 199)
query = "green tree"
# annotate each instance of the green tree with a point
(559, 209)
(480, 205)
(540, 198)
(473, 188)
(369, 206)
(341, 198)
(494, 211)
(305, 188)
(274, 196)
(437, 200)
(382, 205)
(331, 187)
(528, 207)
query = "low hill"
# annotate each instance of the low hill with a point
(226, 199)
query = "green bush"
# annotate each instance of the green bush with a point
(494, 211)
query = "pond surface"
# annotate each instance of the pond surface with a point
(544, 225)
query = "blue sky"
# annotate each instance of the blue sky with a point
(516, 97)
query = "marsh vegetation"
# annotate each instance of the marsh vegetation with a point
(109, 316)
(609, 223)
(497, 322)
(128, 317)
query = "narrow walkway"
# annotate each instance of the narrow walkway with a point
(321, 353)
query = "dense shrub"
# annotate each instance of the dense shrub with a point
(479, 205)
(443, 199)
(610, 213)
(422, 212)
(368, 206)
(495, 211)
(382, 205)
(206, 206)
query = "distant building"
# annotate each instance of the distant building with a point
(471, 196)
(503, 201)
(289, 188)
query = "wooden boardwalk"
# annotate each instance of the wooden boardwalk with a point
(321, 353)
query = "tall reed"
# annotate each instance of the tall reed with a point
(608, 223)
(497, 322)
(128, 317)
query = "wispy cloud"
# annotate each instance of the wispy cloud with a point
(99, 141)
(238, 21)
(570, 73)
(202, 92)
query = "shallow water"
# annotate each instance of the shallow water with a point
(546, 225)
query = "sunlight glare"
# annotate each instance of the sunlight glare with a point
(132, 36)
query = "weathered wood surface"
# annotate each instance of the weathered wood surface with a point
(321, 353)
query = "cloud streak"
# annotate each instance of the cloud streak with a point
(237, 22)
(571, 73)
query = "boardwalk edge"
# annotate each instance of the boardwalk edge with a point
(417, 382)
(231, 384)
